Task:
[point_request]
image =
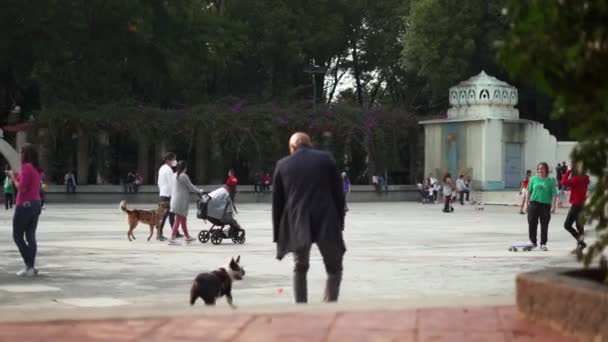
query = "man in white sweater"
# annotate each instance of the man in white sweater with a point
(166, 179)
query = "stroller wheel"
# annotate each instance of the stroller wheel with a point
(203, 236)
(240, 239)
(216, 237)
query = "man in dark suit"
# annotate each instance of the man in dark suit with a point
(307, 208)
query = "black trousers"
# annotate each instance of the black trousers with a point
(8, 201)
(462, 193)
(168, 214)
(539, 211)
(332, 258)
(25, 222)
(573, 218)
(447, 203)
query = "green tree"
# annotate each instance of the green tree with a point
(447, 41)
(562, 48)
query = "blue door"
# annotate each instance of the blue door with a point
(452, 132)
(453, 159)
(513, 169)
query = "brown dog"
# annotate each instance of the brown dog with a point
(153, 218)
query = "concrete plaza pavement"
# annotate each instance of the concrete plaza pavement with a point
(400, 254)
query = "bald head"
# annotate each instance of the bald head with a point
(299, 139)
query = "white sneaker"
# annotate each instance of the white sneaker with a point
(26, 272)
(543, 248)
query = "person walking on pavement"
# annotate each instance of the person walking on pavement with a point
(523, 191)
(461, 188)
(448, 190)
(578, 184)
(27, 211)
(180, 200)
(541, 201)
(70, 182)
(346, 188)
(9, 190)
(231, 183)
(166, 178)
(307, 208)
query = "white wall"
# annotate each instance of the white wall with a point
(542, 146)
(564, 149)
(473, 149)
(432, 148)
(484, 150)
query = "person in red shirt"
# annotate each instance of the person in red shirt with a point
(523, 191)
(231, 183)
(578, 184)
(266, 181)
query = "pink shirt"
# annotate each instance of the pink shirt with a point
(29, 179)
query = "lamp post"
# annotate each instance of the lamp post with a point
(313, 70)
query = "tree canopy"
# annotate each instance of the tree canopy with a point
(562, 47)
(216, 64)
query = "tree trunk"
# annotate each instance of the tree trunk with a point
(161, 150)
(44, 151)
(200, 157)
(357, 72)
(337, 79)
(103, 157)
(374, 94)
(143, 157)
(83, 157)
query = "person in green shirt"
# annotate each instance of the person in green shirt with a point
(542, 198)
(9, 191)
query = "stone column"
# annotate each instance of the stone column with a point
(103, 157)
(83, 157)
(143, 157)
(492, 155)
(159, 154)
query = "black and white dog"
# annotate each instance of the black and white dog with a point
(213, 285)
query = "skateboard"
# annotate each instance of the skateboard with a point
(525, 246)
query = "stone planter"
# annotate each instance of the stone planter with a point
(574, 301)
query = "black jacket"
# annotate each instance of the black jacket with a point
(307, 201)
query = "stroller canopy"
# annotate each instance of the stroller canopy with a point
(220, 205)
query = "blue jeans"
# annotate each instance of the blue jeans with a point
(25, 222)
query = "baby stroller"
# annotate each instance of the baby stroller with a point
(216, 207)
(425, 196)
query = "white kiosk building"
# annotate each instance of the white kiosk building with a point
(484, 138)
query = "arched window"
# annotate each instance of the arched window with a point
(471, 94)
(484, 94)
(454, 96)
